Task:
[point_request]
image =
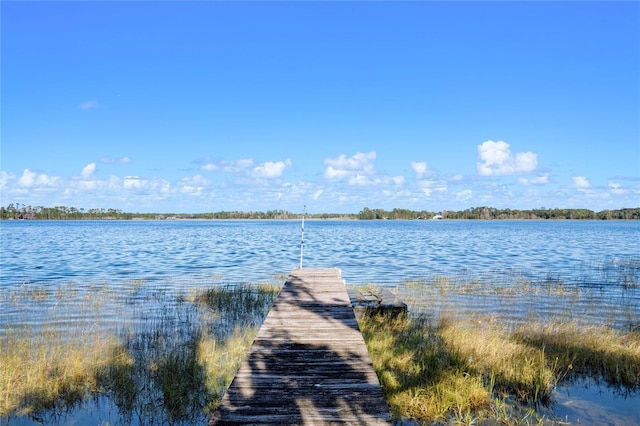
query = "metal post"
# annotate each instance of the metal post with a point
(302, 240)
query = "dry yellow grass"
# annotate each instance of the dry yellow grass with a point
(40, 370)
(464, 370)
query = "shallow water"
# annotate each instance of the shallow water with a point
(99, 274)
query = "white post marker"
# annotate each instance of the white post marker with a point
(302, 239)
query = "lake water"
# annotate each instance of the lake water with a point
(597, 261)
(382, 252)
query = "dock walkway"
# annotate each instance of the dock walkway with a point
(309, 363)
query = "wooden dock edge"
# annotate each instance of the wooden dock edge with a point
(309, 364)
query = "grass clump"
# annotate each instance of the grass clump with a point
(37, 372)
(477, 370)
(420, 376)
(169, 363)
(595, 351)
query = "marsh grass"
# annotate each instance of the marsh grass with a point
(36, 373)
(476, 351)
(451, 370)
(168, 360)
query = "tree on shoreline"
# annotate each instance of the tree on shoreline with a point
(19, 211)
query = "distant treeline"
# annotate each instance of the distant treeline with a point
(487, 213)
(27, 212)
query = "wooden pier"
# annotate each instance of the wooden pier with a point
(309, 364)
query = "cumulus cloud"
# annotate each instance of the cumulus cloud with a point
(30, 178)
(5, 178)
(317, 194)
(359, 179)
(539, 180)
(210, 167)
(355, 168)
(335, 174)
(421, 170)
(234, 166)
(497, 160)
(132, 182)
(88, 170)
(89, 105)
(360, 161)
(194, 185)
(616, 189)
(581, 182)
(270, 169)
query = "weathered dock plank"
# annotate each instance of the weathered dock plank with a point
(308, 364)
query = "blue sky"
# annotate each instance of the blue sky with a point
(254, 106)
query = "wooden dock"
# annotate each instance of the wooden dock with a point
(308, 364)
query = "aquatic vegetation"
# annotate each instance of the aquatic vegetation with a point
(452, 369)
(474, 349)
(169, 362)
(494, 349)
(48, 369)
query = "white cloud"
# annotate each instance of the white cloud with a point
(243, 163)
(430, 185)
(397, 180)
(88, 170)
(271, 169)
(5, 179)
(89, 105)
(425, 183)
(355, 169)
(539, 180)
(317, 194)
(30, 179)
(497, 160)
(132, 182)
(121, 160)
(210, 167)
(421, 170)
(335, 174)
(360, 161)
(359, 179)
(616, 189)
(228, 166)
(464, 195)
(581, 182)
(193, 185)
